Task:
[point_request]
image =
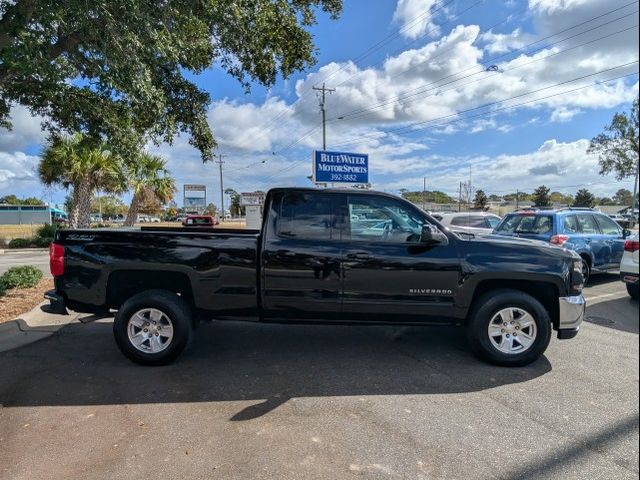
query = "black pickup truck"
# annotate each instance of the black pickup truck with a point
(347, 257)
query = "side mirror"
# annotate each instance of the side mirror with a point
(626, 233)
(431, 235)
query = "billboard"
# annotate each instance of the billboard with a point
(195, 196)
(340, 167)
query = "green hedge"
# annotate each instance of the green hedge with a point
(24, 276)
(20, 243)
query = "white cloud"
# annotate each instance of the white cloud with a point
(25, 131)
(564, 114)
(415, 17)
(505, 42)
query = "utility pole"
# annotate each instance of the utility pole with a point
(220, 162)
(517, 199)
(424, 193)
(459, 196)
(323, 110)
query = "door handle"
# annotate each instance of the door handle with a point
(358, 256)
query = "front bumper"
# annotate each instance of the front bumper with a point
(630, 278)
(571, 316)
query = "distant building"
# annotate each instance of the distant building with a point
(29, 214)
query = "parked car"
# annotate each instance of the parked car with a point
(593, 235)
(199, 221)
(310, 264)
(620, 219)
(629, 266)
(479, 223)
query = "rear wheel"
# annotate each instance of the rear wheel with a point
(153, 327)
(508, 328)
(633, 289)
(586, 270)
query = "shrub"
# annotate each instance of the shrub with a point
(24, 276)
(43, 242)
(3, 289)
(20, 243)
(46, 231)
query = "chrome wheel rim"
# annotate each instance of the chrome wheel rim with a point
(150, 330)
(512, 330)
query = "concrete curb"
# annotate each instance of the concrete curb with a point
(31, 327)
(23, 250)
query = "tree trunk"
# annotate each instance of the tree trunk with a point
(132, 215)
(83, 204)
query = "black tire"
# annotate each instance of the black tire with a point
(586, 270)
(173, 307)
(633, 289)
(484, 310)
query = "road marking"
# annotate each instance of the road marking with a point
(606, 295)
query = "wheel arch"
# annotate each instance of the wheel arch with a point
(124, 284)
(547, 293)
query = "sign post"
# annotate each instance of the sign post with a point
(340, 167)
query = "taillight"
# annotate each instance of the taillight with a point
(559, 239)
(56, 259)
(631, 246)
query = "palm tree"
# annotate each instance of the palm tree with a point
(148, 178)
(84, 166)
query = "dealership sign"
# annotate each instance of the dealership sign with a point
(195, 196)
(340, 167)
(248, 199)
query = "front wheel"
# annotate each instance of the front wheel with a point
(508, 328)
(633, 289)
(153, 327)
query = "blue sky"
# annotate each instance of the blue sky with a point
(420, 98)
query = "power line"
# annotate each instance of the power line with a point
(412, 126)
(273, 123)
(424, 89)
(505, 108)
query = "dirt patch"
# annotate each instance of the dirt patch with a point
(20, 300)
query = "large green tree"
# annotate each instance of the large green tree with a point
(480, 200)
(119, 69)
(618, 147)
(541, 197)
(150, 183)
(623, 197)
(584, 198)
(79, 164)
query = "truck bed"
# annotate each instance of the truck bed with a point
(216, 268)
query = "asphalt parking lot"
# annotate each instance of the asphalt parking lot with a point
(271, 401)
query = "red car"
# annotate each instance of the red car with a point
(200, 221)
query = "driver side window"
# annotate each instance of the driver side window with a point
(379, 219)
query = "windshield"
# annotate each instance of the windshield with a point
(518, 223)
(493, 221)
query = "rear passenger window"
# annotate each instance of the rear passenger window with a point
(608, 226)
(570, 224)
(460, 221)
(306, 216)
(587, 223)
